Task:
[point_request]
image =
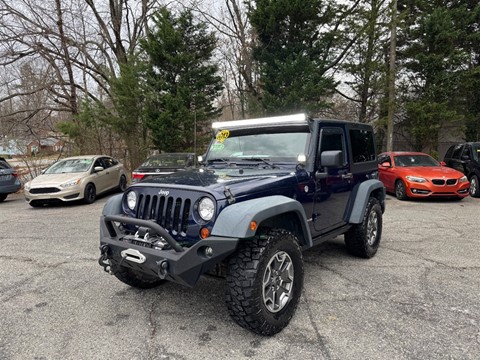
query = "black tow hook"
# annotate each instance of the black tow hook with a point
(104, 260)
(162, 269)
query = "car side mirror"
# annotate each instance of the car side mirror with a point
(386, 164)
(329, 159)
(465, 157)
(443, 163)
(98, 168)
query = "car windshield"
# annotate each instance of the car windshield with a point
(415, 160)
(166, 160)
(273, 147)
(70, 166)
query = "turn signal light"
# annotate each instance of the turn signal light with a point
(204, 233)
(253, 225)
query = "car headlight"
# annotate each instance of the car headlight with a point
(463, 179)
(416, 179)
(206, 208)
(71, 183)
(131, 200)
(27, 186)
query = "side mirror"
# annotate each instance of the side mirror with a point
(98, 168)
(465, 157)
(331, 158)
(443, 163)
(386, 164)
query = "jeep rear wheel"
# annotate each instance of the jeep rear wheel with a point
(135, 278)
(264, 282)
(363, 239)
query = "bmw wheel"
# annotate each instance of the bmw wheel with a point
(400, 190)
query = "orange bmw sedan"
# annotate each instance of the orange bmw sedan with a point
(418, 175)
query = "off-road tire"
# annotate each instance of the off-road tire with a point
(363, 239)
(474, 186)
(122, 184)
(3, 197)
(247, 278)
(135, 278)
(89, 194)
(400, 190)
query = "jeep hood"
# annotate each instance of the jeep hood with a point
(240, 181)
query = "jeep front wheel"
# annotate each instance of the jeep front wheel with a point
(135, 278)
(264, 282)
(363, 239)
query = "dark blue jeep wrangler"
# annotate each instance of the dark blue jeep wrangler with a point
(267, 189)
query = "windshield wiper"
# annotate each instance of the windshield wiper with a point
(218, 160)
(265, 161)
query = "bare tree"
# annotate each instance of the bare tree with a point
(77, 47)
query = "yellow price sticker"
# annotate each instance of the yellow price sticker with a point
(222, 136)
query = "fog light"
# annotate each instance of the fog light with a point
(208, 251)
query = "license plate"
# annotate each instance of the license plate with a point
(4, 177)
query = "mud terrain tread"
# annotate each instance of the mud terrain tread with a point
(243, 293)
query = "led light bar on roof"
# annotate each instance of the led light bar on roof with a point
(297, 118)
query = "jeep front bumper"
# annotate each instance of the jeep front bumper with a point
(178, 264)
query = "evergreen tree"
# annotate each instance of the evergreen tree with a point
(298, 43)
(183, 82)
(434, 61)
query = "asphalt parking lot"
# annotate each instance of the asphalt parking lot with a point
(419, 298)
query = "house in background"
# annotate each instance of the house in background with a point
(45, 146)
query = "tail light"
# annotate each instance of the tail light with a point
(137, 176)
(14, 174)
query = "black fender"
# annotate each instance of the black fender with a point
(234, 220)
(360, 196)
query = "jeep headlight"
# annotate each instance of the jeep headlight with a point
(131, 200)
(416, 179)
(206, 208)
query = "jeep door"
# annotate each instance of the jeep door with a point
(332, 184)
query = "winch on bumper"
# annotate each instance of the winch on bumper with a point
(177, 264)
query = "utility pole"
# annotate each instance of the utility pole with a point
(391, 76)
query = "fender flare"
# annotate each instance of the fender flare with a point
(113, 206)
(234, 220)
(360, 196)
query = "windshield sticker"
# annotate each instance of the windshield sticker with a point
(217, 147)
(222, 136)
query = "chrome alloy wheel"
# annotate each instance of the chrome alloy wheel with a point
(473, 186)
(372, 228)
(278, 282)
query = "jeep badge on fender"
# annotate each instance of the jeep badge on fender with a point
(266, 190)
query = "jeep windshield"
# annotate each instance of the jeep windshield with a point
(265, 149)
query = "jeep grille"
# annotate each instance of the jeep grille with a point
(170, 212)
